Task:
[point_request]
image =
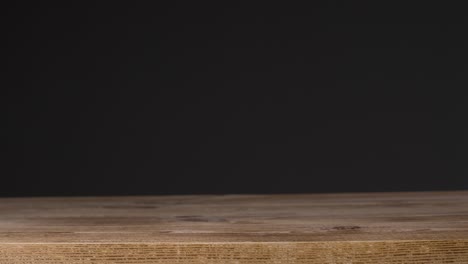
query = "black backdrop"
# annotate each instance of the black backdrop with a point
(129, 99)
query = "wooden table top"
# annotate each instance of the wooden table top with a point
(426, 227)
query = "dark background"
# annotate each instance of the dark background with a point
(182, 99)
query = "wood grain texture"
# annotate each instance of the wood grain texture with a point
(429, 227)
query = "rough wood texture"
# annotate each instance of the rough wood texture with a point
(322, 228)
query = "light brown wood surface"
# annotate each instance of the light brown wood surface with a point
(429, 227)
